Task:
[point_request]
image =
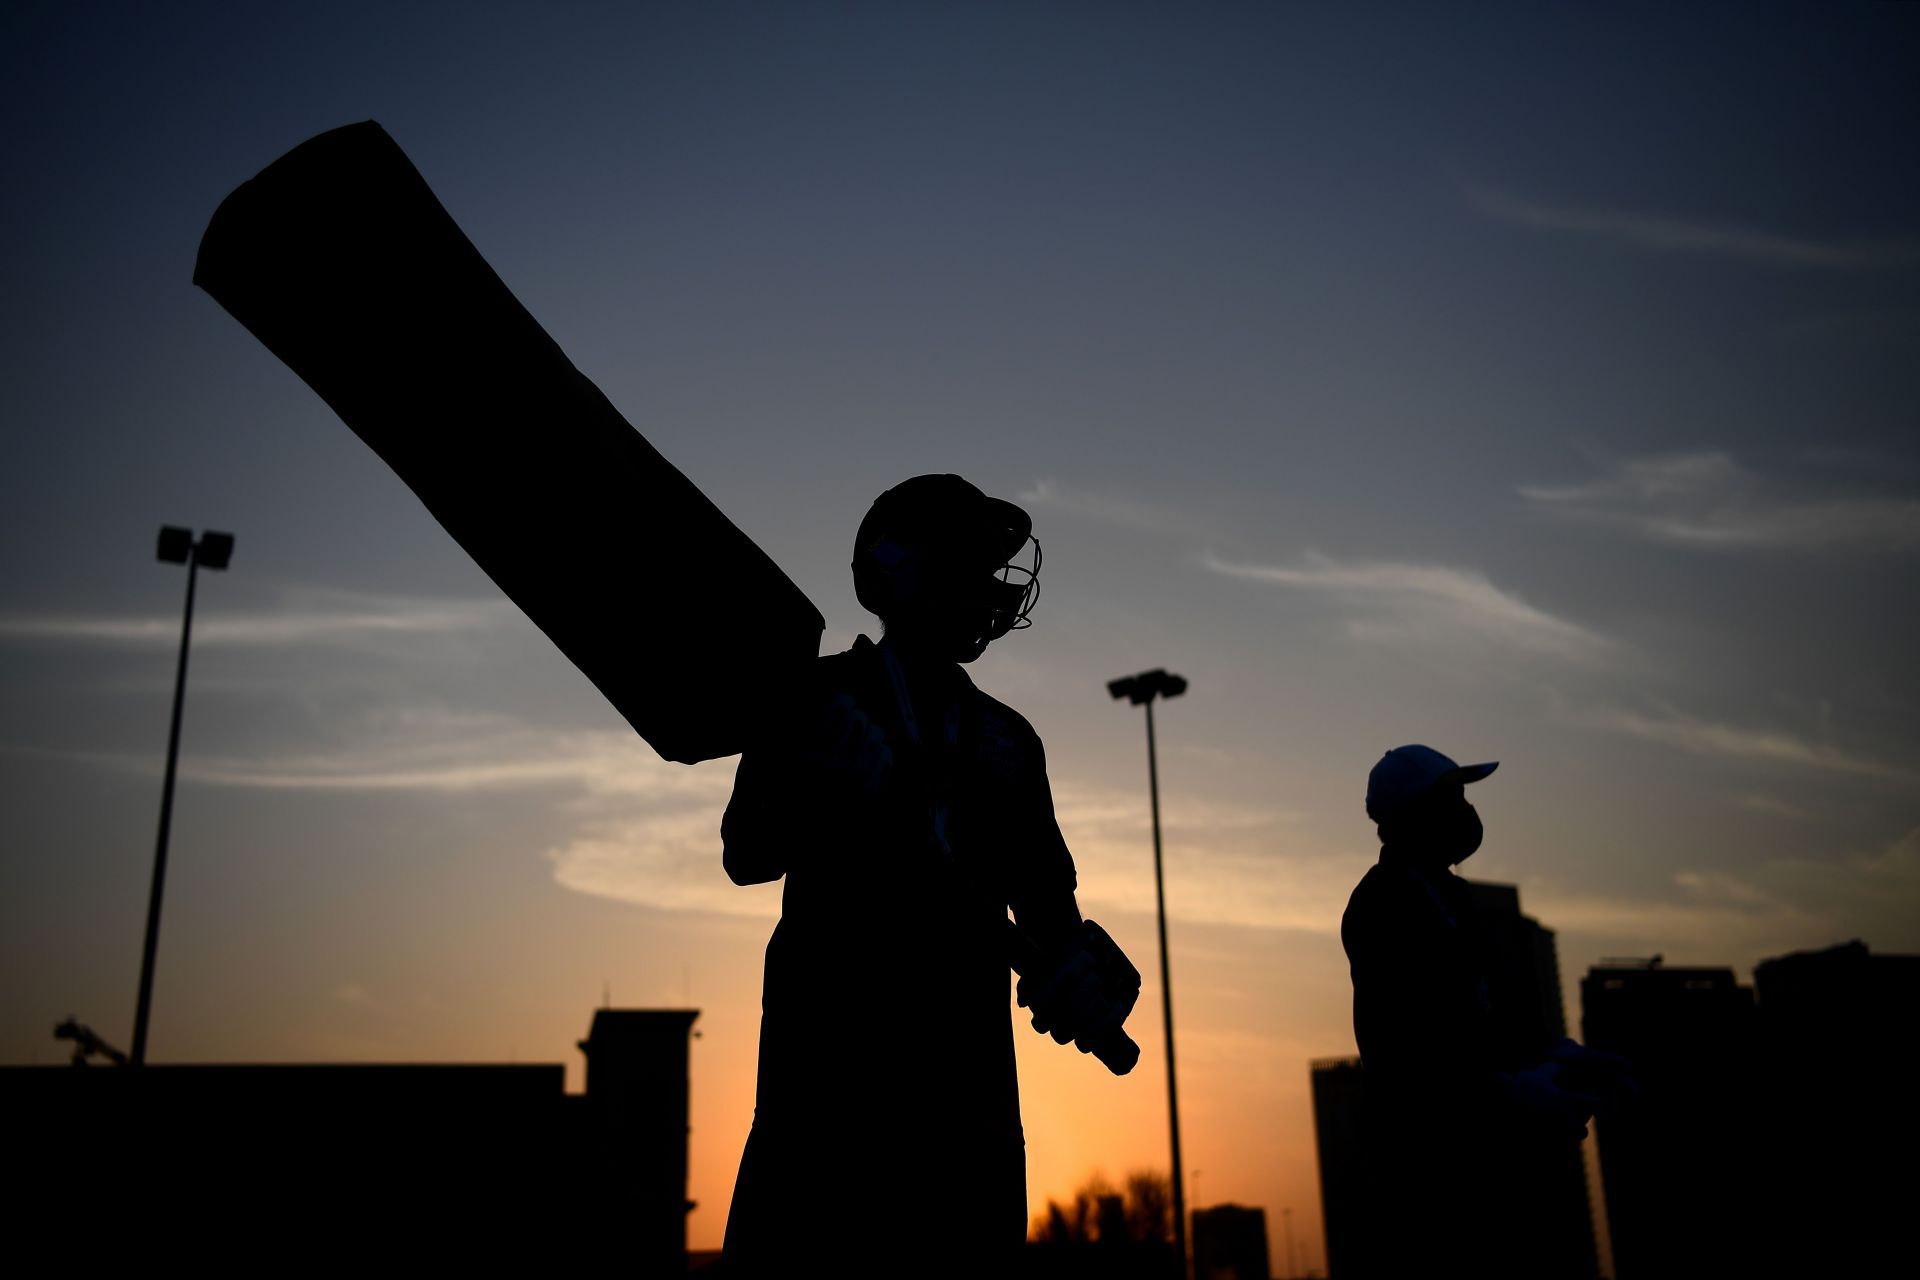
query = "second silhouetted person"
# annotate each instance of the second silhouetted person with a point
(1467, 1112)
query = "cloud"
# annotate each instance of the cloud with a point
(638, 829)
(1696, 736)
(430, 751)
(1424, 603)
(1659, 233)
(668, 860)
(634, 828)
(1781, 905)
(1703, 919)
(662, 850)
(1220, 862)
(1226, 863)
(631, 826)
(1708, 501)
(1772, 806)
(310, 618)
(1113, 509)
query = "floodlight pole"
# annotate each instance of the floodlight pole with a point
(1142, 690)
(1166, 1008)
(138, 1057)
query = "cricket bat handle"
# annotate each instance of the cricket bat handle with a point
(1115, 1048)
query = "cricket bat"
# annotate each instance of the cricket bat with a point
(340, 259)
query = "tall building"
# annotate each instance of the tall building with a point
(1347, 1202)
(1838, 1031)
(1681, 1163)
(1522, 970)
(634, 1132)
(1523, 967)
(266, 1169)
(1523, 988)
(1230, 1243)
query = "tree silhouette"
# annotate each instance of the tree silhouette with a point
(1149, 1207)
(1139, 1212)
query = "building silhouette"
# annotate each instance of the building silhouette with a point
(1838, 1031)
(1347, 1202)
(1522, 970)
(1523, 967)
(1523, 988)
(1680, 1163)
(379, 1168)
(1230, 1243)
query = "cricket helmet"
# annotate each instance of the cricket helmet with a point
(937, 536)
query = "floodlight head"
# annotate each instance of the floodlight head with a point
(1148, 685)
(175, 543)
(213, 550)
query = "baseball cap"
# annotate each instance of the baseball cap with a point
(1405, 772)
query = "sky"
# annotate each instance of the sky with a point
(1534, 382)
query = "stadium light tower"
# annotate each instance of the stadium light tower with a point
(213, 551)
(1141, 690)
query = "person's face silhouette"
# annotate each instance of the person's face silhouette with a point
(1439, 826)
(949, 612)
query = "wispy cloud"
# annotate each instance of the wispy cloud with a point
(308, 618)
(1427, 603)
(1227, 862)
(1709, 501)
(1772, 806)
(439, 753)
(1672, 728)
(435, 752)
(629, 825)
(635, 828)
(1662, 233)
(667, 860)
(1106, 508)
(1221, 856)
(1716, 915)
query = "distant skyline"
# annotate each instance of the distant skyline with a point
(1536, 384)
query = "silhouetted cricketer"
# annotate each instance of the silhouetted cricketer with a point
(908, 812)
(1466, 1113)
